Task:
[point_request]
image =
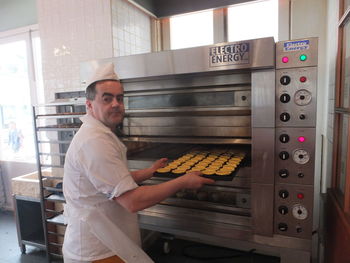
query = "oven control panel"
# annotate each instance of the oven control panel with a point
(293, 215)
(295, 97)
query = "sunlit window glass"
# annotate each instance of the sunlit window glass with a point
(16, 121)
(191, 30)
(253, 20)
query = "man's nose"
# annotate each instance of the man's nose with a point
(115, 102)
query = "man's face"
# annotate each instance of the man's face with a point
(108, 105)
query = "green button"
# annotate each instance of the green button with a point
(303, 57)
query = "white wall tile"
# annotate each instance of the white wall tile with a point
(72, 32)
(131, 27)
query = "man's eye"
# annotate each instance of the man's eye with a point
(107, 99)
(120, 99)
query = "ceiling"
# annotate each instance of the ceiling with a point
(166, 8)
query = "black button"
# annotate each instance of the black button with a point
(285, 98)
(283, 194)
(283, 210)
(284, 138)
(284, 117)
(284, 155)
(302, 116)
(301, 175)
(285, 80)
(283, 173)
(282, 227)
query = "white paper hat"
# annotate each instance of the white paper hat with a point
(103, 72)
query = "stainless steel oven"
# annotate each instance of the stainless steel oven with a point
(256, 97)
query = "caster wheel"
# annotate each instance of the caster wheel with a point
(166, 247)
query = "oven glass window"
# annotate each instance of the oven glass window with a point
(183, 100)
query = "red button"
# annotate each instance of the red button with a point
(300, 196)
(302, 79)
(301, 139)
(285, 59)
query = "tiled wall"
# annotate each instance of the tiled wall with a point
(76, 31)
(131, 29)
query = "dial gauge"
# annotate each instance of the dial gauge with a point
(301, 156)
(299, 211)
(302, 97)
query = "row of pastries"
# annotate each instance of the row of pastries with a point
(219, 162)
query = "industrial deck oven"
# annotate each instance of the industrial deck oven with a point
(254, 98)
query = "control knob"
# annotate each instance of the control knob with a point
(283, 173)
(299, 212)
(283, 210)
(282, 227)
(284, 155)
(301, 156)
(302, 97)
(285, 80)
(284, 138)
(283, 194)
(285, 117)
(285, 98)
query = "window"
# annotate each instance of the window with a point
(253, 20)
(341, 175)
(17, 96)
(191, 30)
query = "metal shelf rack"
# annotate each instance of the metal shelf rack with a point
(55, 125)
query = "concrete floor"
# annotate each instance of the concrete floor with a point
(181, 251)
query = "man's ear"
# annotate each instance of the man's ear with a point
(88, 105)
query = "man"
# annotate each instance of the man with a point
(102, 195)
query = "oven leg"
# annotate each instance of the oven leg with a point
(167, 242)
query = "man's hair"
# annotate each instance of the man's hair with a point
(90, 92)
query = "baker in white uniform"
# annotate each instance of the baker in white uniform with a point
(102, 195)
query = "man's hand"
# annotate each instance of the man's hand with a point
(159, 164)
(194, 180)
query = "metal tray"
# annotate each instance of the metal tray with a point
(214, 177)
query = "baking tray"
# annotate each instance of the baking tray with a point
(214, 177)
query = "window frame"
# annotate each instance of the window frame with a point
(339, 112)
(161, 27)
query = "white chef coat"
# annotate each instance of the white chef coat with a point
(95, 171)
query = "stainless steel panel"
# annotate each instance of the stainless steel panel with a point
(263, 155)
(234, 80)
(297, 173)
(189, 131)
(178, 220)
(299, 221)
(189, 140)
(194, 111)
(262, 208)
(293, 49)
(295, 111)
(263, 102)
(195, 121)
(259, 54)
